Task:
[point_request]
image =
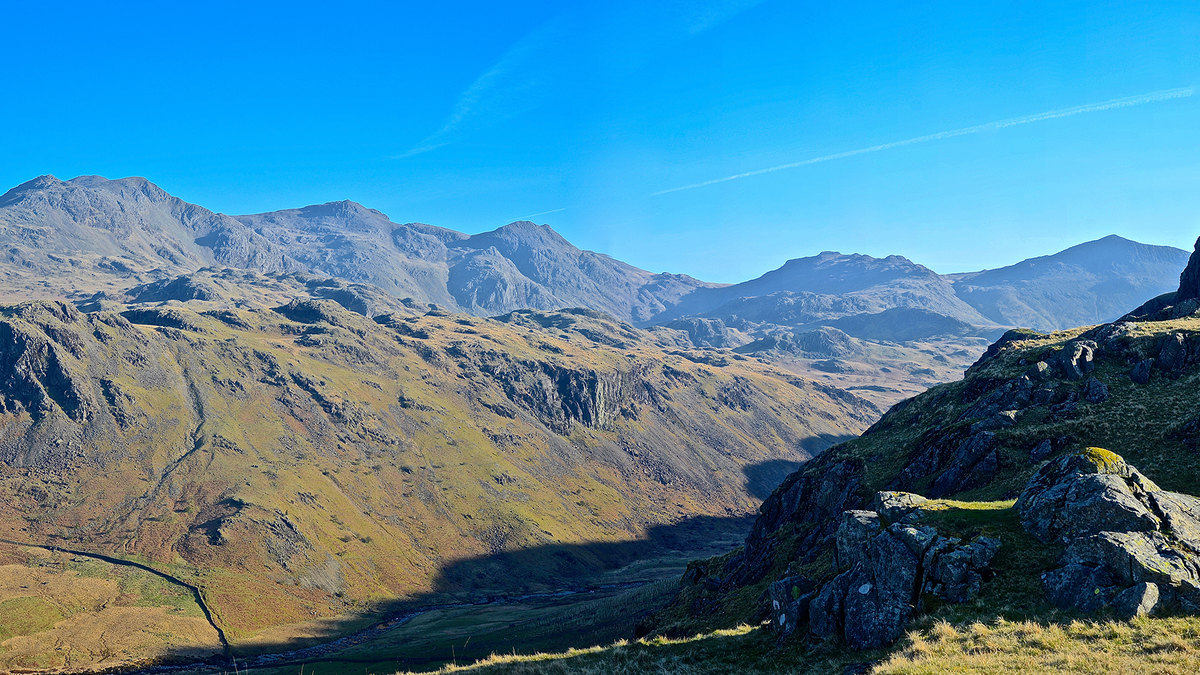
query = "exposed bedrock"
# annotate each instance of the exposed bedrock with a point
(887, 574)
(1130, 545)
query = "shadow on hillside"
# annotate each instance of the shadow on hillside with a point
(576, 566)
(763, 477)
(557, 575)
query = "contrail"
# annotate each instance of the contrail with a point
(535, 215)
(1152, 97)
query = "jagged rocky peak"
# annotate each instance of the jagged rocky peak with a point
(522, 234)
(1189, 279)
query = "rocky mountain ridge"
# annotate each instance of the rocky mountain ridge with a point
(68, 238)
(911, 327)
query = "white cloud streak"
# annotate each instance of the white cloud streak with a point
(543, 213)
(620, 38)
(1153, 97)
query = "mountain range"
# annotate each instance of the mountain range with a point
(90, 234)
(246, 434)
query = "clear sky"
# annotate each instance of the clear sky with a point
(588, 116)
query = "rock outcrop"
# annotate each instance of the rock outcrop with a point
(1131, 546)
(888, 572)
(1189, 279)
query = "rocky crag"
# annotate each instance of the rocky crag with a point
(1007, 461)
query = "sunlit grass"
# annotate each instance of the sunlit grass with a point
(1147, 645)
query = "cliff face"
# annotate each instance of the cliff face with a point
(301, 459)
(1189, 279)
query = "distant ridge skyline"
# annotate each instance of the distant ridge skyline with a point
(73, 238)
(471, 115)
(790, 258)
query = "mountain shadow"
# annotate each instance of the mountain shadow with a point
(559, 580)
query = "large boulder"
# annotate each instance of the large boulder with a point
(956, 573)
(1086, 493)
(1076, 359)
(884, 579)
(896, 506)
(1131, 546)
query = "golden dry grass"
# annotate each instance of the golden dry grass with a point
(56, 613)
(1164, 646)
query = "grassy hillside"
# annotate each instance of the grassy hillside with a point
(714, 625)
(308, 468)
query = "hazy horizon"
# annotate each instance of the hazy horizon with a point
(715, 139)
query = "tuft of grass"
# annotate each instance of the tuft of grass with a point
(1169, 646)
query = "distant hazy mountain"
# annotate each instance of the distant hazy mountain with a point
(1091, 283)
(91, 234)
(74, 238)
(519, 266)
(828, 286)
(896, 299)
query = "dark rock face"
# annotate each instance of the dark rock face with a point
(1130, 545)
(1189, 279)
(790, 598)
(962, 475)
(1084, 587)
(561, 396)
(854, 536)
(885, 574)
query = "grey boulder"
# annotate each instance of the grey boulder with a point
(894, 506)
(1085, 493)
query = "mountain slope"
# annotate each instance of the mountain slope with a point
(518, 266)
(95, 234)
(301, 461)
(1091, 283)
(806, 291)
(89, 234)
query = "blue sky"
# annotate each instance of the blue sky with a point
(471, 115)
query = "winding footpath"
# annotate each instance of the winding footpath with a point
(196, 594)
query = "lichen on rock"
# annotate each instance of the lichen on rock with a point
(1131, 546)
